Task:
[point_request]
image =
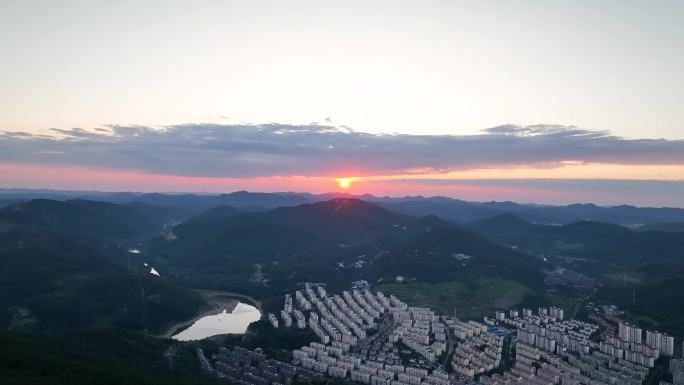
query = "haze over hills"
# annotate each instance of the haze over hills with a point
(451, 209)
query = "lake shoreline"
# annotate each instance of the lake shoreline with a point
(213, 295)
(218, 302)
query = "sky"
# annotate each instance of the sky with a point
(548, 102)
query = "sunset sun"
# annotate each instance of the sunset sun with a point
(344, 183)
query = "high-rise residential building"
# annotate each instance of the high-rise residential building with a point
(500, 315)
(654, 339)
(677, 370)
(624, 331)
(667, 345)
(557, 313)
(630, 333)
(637, 335)
(662, 342)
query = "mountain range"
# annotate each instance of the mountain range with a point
(75, 265)
(454, 210)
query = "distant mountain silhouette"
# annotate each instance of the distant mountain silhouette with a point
(451, 209)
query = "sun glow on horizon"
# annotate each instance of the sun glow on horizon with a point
(344, 183)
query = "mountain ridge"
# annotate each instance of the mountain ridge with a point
(452, 209)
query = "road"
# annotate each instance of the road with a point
(451, 345)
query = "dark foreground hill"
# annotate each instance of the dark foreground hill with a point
(50, 284)
(60, 269)
(102, 357)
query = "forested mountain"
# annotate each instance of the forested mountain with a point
(587, 239)
(60, 267)
(77, 265)
(637, 270)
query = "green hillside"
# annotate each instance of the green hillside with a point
(648, 264)
(103, 357)
(65, 286)
(469, 298)
(452, 253)
(57, 273)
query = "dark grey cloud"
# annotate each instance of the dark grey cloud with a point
(278, 149)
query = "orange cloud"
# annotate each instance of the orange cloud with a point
(566, 170)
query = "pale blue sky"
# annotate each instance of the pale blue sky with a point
(432, 67)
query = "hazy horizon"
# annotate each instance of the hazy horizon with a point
(37, 190)
(490, 100)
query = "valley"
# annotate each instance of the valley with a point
(80, 266)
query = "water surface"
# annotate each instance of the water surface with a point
(235, 322)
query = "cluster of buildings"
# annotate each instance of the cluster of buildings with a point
(543, 315)
(248, 367)
(565, 277)
(421, 330)
(630, 345)
(549, 331)
(465, 330)
(553, 350)
(343, 319)
(340, 364)
(478, 354)
(534, 366)
(609, 370)
(359, 334)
